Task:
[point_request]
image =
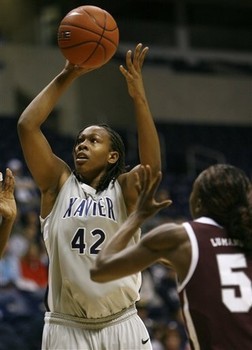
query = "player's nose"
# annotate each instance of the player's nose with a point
(83, 145)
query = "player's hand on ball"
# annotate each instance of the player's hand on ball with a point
(76, 69)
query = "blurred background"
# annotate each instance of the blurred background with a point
(198, 77)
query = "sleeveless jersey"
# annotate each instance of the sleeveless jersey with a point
(216, 295)
(74, 232)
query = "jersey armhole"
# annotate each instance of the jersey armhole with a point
(195, 255)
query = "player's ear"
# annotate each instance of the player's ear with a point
(113, 157)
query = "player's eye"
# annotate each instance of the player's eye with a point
(94, 141)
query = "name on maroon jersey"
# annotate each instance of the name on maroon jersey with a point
(225, 242)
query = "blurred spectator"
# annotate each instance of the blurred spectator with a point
(33, 267)
(167, 290)
(11, 300)
(31, 219)
(26, 230)
(143, 312)
(27, 245)
(26, 191)
(157, 335)
(173, 339)
(9, 268)
(21, 306)
(148, 292)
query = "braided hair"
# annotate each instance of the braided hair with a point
(226, 196)
(116, 169)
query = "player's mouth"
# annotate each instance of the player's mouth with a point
(81, 158)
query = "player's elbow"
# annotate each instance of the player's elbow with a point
(27, 124)
(23, 122)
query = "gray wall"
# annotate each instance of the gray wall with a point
(102, 95)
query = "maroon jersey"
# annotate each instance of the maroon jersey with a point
(216, 295)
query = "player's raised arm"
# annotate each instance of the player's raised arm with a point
(148, 141)
(48, 171)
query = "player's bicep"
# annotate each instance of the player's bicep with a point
(165, 240)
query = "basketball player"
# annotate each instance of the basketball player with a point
(8, 209)
(211, 255)
(82, 209)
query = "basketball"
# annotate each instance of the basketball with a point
(88, 36)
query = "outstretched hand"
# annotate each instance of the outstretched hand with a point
(8, 207)
(146, 185)
(133, 72)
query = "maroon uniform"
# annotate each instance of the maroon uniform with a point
(216, 295)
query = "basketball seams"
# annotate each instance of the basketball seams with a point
(70, 24)
(86, 42)
(95, 21)
(106, 16)
(101, 35)
(90, 56)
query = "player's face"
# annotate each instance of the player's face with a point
(92, 152)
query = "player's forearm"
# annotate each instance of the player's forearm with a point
(148, 140)
(107, 266)
(39, 109)
(120, 240)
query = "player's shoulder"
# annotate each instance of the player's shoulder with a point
(176, 228)
(172, 232)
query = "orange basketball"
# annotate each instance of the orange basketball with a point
(88, 36)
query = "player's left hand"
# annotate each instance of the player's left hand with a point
(146, 185)
(8, 208)
(133, 72)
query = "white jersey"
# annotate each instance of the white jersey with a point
(74, 232)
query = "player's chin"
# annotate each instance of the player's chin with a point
(77, 166)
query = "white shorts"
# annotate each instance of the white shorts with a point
(123, 331)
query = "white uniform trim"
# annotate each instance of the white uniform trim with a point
(189, 323)
(194, 247)
(195, 255)
(209, 221)
(91, 324)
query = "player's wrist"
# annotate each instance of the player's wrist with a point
(137, 219)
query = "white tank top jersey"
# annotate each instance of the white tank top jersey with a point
(74, 232)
